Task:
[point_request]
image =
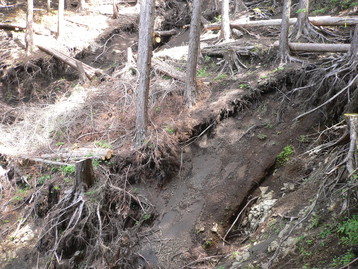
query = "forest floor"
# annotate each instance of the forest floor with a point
(243, 184)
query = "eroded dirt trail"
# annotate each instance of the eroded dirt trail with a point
(220, 170)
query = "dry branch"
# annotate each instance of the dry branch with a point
(90, 71)
(319, 47)
(318, 21)
(165, 33)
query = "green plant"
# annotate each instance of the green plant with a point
(243, 86)
(217, 19)
(301, 10)
(67, 170)
(269, 125)
(261, 136)
(41, 180)
(348, 231)
(284, 156)
(303, 139)
(58, 144)
(103, 144)
(57, 188)
(169, 130)
(314, 221)
(202, 73)
(67, 179)
(221, 77)
(208, 243)
(343, 260)
(146, 217)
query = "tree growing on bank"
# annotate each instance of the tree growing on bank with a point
(191, 88)
(60, 19)
(29, 39)
(144, 62)
(225, 21)
(284, 52)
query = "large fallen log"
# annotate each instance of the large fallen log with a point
(167, 69)
(318, 21)
(318, 47)
(89, 71)
(222, 48)
(12, 27)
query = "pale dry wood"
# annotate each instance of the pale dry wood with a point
(318, 21)
(319, 47)
(168, 70)
(90, 71)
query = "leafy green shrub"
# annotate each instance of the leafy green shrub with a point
(68, 170)
(284, 155)
(348, 231)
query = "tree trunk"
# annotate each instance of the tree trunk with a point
(284, 49)
(48, 5)
(191, 90)
(29, 27)
(353, 52)
(302, 18)
(144, 63)
(84, 174)
(60, 19)
(225, 22)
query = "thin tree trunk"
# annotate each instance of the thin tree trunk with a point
(284, 49)
(354, 45)
(302, 18)
(48, 5)
(225, 22)
(144, 63)
(60, 19)
(191, 90)
(29, 39)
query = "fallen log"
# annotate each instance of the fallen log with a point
(12, 27)
(165, 33)
(89, 71)
(318, 47)
(73, 155)
(222, 48)
(318, 21)
(168, 70)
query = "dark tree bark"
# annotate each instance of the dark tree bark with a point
(191, 90)
(60, 19)
(284, 54)
(144, 63)
(84, 175)
(29, 39)
(225, 21)
(302, 18)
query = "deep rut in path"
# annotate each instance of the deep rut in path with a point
(219, 171)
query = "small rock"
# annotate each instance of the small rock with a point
(273, 246)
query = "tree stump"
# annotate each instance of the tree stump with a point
(84, 174)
